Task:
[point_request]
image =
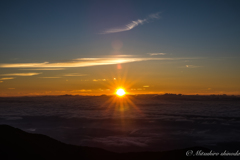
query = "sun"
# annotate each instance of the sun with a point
(120, 92)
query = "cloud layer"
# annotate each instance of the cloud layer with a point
(50, 77)
(74, 74)
(192, 66)
(156, 54)
(20, 74)
(6, 78)
(133, 24)
(45, 69)
(80, 62)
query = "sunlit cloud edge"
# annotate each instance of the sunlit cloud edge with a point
(6, 78)
(156, 54)
(44, 69)
(49, 77)
(74, 75)
(20, 74)
(80, 62)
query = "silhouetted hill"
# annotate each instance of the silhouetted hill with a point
(17, 144)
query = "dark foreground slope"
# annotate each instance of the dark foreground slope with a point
(17, 144)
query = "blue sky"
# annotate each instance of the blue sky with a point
(63, 31)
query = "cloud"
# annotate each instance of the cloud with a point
(22, 65)
(74, 74)
(45, 69)
(1, 81)
(133, 24)
(156, 54)
(20, 74)
(49, 77)
(192, 66)
(122, 141)
(80, 62)
(82, 90)
(96, 80)
(6, 78)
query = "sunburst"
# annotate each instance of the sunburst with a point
(120, 92)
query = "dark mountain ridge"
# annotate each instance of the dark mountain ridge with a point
(17, 144)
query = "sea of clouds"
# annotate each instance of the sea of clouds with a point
(139, 124)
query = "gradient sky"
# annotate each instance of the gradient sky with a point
(93, 47)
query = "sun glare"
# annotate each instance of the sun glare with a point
(120, 92)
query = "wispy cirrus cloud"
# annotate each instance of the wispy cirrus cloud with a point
(192, 66)
(20, 74)
(156, 54)
(133, 24)
(44, 69)
(80, 62)
(74, 74)
(6, 78)
(49, 77)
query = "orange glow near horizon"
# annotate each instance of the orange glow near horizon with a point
(106, 80)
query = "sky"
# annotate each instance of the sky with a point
(94, 47)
